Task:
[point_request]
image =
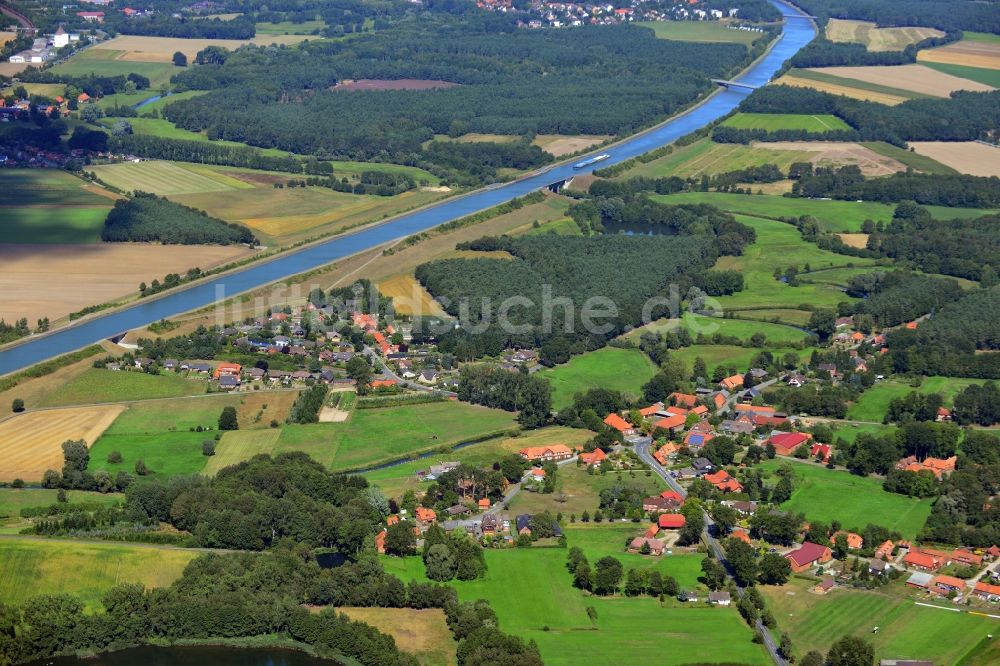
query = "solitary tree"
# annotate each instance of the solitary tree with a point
(228, 420)
(851, 651)
(180, 60)
(17, 405)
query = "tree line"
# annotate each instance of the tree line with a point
(947, 16)
(147, 217)
(201, 152)
(494, 387)
(896, 297)
(848, 183)
(821, 52)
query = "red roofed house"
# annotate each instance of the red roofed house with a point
(672, 494)
(683, 400)
(923, 561)
(967, 557)
(646, 412)
(938, 466)
(987, 591)
(545, 453)
(854, 541)
(392, 520)
(92, 17)
(672, 423)
(731, 383)
(821, 451)
(807, 555)
(83, 97)
(943, 414)
(695, 438)
(380, 542)
(484, 503)
(227, 370)
(785, 443)
(993, 552)
(426, 515)
(593, 458)
(719, 401)
(382, 383)
(618, 423)
(671, 521)
(666, 451)
(724, 482)
(945, 584)
(656, 546)
(884, 552)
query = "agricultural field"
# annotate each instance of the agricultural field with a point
(770, 315)
(701, 31)
(423, 633)
(12, 500)
(971, 157)
(578, 491)
(912, 160)
(132, 49)
(289, 28)
(165, 454)
(239, 445)
(874, 403)
(105, 61)
(835, 85)
(989, 77)
(623, 370)
(164, 178)
(397, 479)
(559, 145)
(36, 277)
(828, 495)
(906, 631)
(786, 121)
(50, 206)
(976, 50)
(914, 78)
(409, 297)
(837, 154)
(700, 324)
(875, 38)
(35, 566)
(545, 608)
(31, 442)
(705, 157)
(97, 385)
(729, 356)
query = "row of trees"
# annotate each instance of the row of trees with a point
(848, 183)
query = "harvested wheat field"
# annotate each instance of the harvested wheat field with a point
(877, 39)
(970, 53)
(31, 443)
(55, 280)
(854, 240)
(915, 78)
(558, 145)
(420, 632)
(6, 37)
(971, 157)
(832, 153)
(888, 99)
(409, 296)
(137, 48)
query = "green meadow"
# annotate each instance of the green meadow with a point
(99, 385)
(530, 590)
(12, 500)
(776, 334)
(828, 495)
(165, 454)
(612, 368)
(701, 31)
(874, 403)
(49, 206)
(729, 355)
(786, 121)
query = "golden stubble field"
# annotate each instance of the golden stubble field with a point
(31, 443)
(915, 78)
(971, 157)
(969, 53)
(833, 153)
(161, 49)
(55, 280)
(888, 99)
(877, 39)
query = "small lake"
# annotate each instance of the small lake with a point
(193, 656)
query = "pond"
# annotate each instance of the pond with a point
(192, 656)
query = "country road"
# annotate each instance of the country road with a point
(642, 450)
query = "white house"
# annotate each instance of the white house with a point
(60, 39)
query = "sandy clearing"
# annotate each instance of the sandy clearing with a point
(54, 280)
(558, 145)
(855, 240)
(839, 154)
(136, 48)
(875, 38)
(968, 53)
(31, 443)
(333, 415)
(832, 88)
(971, 157)
(916, 78)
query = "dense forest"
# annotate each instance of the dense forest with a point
(821, 52)
(848, 183)
(978, 404)
(964, 513)
(147, 218)
(165, 25)
(201, 152)
(591, 80)
(896, 297)
(545, 294)
(965, 116)
(941, 14)
(512, 391)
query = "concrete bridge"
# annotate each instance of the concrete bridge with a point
(734, 84)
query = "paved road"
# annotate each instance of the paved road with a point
(379, 362)
(644, 454)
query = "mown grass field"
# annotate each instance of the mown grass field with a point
(874, 403)
(395, 480)
(165, 454)
(577, 491)
(623, 370)
(786, 121)
(12, 500)
(602, 539)
(707, 157)
(729, 356)
(105, 62)
(776, 334)
(875, 38)
(828, 495)
(50, 206)
(906, 631)
(99, 385)
(700, 31)
(162, 178)
(530, 590)
(423, 633)
(33, 566)
(239, 445)
(290, 28)
(849, 433)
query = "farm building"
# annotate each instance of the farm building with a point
(546, 453)
(808, 555)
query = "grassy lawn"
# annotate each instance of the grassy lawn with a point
(290, 28)
(874, 403)
(34, 566)
(849, 433)
(563, 227)
(395, 480)
(623, 370)
(577, 491)
(12, 500)
(98, 385)
(786, 121)
(700, 324)
(49, 206)
(707, 157)
(165, 454)
(102, 63)
(729, 355)
(828, 495)
(906, 631)
(239, 445)
(530, 590)
(700, 31)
